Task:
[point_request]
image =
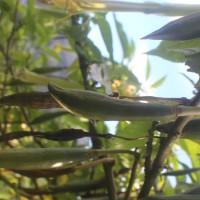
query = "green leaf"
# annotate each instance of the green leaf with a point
(106, 32)
(166, 51)
(52, 53)
(193, 61)
(5, 6)
(93, 53)
(148, 70)
(184, 28)
(30, 19)
(123, 38)
(34, 78)
(181, 51)
(159, 82)
(136, 130)
(46, 70)
(78, 32)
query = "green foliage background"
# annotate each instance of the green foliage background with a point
(31, 57)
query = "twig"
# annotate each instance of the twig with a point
(58, 172)
(133, 176)
(149, 149)
(65, 135)
(112, 193)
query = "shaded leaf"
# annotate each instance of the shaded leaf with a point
(185, 28)
(92, 51)
(46, 70)
(5, 6)
(78, 32)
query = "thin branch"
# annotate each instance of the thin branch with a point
(132, 177)
(58, 172)
(112, 193)
(65, 135)
(149, 149)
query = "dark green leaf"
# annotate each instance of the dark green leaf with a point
(92, 51)
(46, 70)
(185, 28)
(5, 6)
(78, 32)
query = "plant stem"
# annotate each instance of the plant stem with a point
(169, 9)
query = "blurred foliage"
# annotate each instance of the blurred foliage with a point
(38, 45)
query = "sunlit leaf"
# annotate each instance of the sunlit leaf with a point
(137, 130)
(31, 77)
(52, 53)
(159, 82)
(148, 71)
(123, 38)
(106, 32)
